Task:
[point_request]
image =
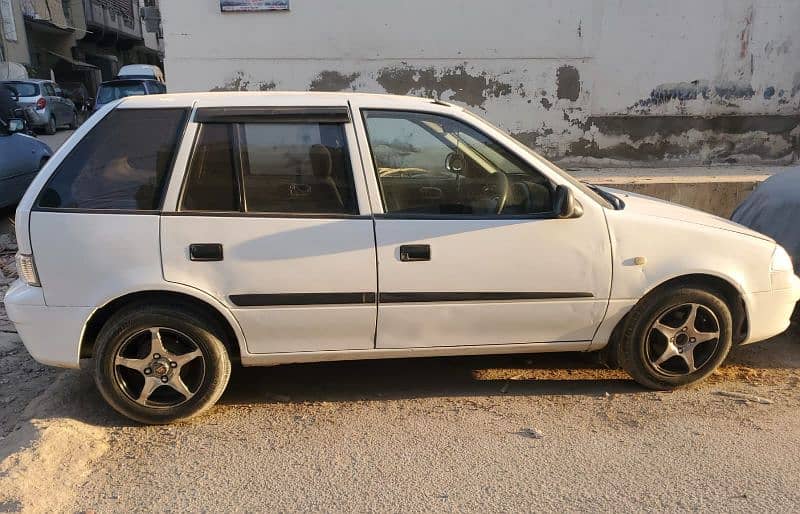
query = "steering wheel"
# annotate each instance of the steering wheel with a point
(505, 186)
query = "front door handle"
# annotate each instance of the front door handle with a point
(414, 253)
(205, 252)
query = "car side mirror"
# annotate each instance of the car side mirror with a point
(565, 205)
(16, 125)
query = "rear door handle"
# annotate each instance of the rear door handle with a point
(414, 253)
(205, 252)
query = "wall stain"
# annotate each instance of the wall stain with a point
(267, 86)
(238, 82)
(568, 82)
(333, 81)
(547, 104)
(472, 90)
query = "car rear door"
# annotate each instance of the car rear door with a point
(273, 220)
(452, 270)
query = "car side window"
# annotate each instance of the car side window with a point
(48, 89)
(211, 183)
(281, 168)
(435, 165)
(122, 164)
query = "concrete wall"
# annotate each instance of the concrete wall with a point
(588, 81)
(17, 51)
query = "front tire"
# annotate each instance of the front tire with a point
(675, 337)
(160, 364)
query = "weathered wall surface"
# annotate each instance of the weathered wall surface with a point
(589, 81)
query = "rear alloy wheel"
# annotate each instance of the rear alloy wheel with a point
(675, 337)
(51, 126)
(160, 364)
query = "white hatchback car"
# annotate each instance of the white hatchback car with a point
(173, 234)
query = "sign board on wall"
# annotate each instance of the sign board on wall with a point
(254, 5)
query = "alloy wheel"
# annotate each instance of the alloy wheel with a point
(682, 339)
(159, 368)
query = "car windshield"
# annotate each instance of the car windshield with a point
(111, 92)
(25, 88)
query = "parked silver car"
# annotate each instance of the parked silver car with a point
(49, 107)
(22, 158)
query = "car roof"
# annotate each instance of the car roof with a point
(132, 80)
(31, 81)
(271, 98)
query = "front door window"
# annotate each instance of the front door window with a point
(434, 165)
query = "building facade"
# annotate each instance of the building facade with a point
(590, 81)
(80, 41)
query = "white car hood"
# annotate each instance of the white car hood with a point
(649, 206)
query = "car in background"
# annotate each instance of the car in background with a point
(23, 157)
(50, 108)
(121, 88)
(141, 71)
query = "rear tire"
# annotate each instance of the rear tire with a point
(160, 364)
(73, 124)
(675, 337)
(51, 128)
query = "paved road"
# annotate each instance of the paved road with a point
(550, 433)
(57, 139)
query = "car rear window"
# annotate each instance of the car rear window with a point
(122, 164)
(25, 88)
(109, 93)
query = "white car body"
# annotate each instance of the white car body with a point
(576, 278)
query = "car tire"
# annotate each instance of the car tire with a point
(73, 124)
(676, 336)
(51, 127)
(160, 364)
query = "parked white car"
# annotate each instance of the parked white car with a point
(173, 234)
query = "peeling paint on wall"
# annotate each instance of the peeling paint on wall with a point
(568, 82)
(455, 84)
(329, 80)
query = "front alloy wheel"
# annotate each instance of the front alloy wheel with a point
(676, 336)
(683, 339)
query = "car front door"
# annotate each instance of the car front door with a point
(470, 251)
(274, 223)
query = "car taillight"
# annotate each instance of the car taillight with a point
(41, 103)
(26, 269)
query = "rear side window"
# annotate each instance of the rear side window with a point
(25, 88)
(281, 168)
(122, 164)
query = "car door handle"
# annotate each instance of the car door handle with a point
(205, 252)
(414, 253)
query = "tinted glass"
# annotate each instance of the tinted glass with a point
(121, 164)
(109, 93)
(429, 164)
(25, 88)
(49, 90)
(211, 184)
(297, 168)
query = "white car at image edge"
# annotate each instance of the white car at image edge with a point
(174, 234)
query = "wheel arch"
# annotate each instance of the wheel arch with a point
(732, 295)
(234, 340)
